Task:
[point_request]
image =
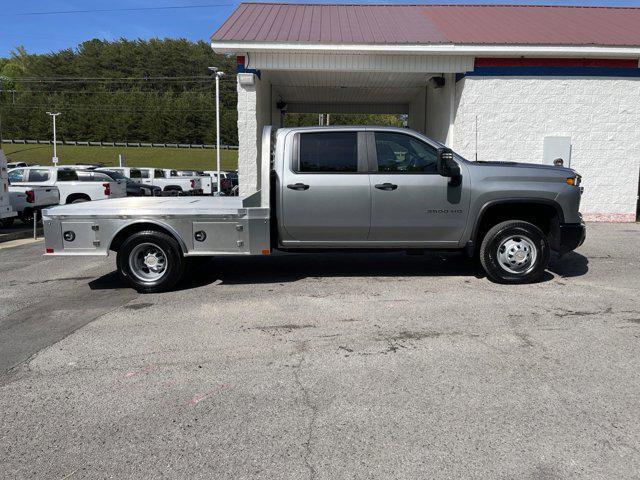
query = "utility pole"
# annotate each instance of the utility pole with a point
(218, 75)
(55, 152)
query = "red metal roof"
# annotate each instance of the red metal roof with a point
(432, 24)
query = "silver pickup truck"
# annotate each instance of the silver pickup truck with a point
(346, 188)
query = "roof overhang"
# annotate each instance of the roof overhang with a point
(576, 51)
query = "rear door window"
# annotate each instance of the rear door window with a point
(327, 152)
(85, 176)
(17, 176)
(158, 174)
(39, 175)
(135, 173)
(67, 176)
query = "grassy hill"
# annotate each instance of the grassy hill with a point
(179, 158)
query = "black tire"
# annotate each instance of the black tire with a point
(26, 217)
(493, 255)
(175, 263)
(7, 222)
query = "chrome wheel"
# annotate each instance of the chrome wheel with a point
(148, 262)
(517, 254)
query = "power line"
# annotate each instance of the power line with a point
(111, 92)
(112, 109)
(116, 78)
(193, 79)
(132, 9)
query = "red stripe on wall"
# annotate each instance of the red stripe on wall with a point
(557, 62)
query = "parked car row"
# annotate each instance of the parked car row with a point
(163, 179)
(75, 186)
(29, 189)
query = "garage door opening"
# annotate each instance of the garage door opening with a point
(417, 100)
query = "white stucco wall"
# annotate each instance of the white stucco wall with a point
(254, 112)
(417, 111)
(439, 110)
(601, 115)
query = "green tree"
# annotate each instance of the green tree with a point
(135, 90)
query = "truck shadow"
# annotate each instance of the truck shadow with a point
(293, 267)
(572, 264)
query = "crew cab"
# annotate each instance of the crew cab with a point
(341, 188)
(161, 178)
(75, 186)
(28, 200)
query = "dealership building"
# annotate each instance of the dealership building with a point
(515, 83)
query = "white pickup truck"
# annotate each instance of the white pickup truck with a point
(203, 182)
(6, 212)
(72, 188)
(25, 201)
(228, 181)
(206, 180)
(160, 177)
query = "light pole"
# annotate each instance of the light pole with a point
(218, 75)
(55, 154)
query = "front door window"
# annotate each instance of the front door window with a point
(399, 153)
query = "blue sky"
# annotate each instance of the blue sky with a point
(45, 33)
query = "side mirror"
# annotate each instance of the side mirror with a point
(446, 165)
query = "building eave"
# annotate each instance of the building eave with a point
(432, 49)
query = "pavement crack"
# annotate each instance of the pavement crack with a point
(306, 396)
(565, 312)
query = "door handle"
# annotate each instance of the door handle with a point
(386, 186)
(298, 186)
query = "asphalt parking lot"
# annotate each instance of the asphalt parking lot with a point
(323, 366)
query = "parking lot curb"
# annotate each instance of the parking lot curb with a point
(20, 234)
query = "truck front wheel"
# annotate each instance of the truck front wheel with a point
(514, 252)
(150, 261)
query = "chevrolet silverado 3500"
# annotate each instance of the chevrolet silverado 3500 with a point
(346, 188)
